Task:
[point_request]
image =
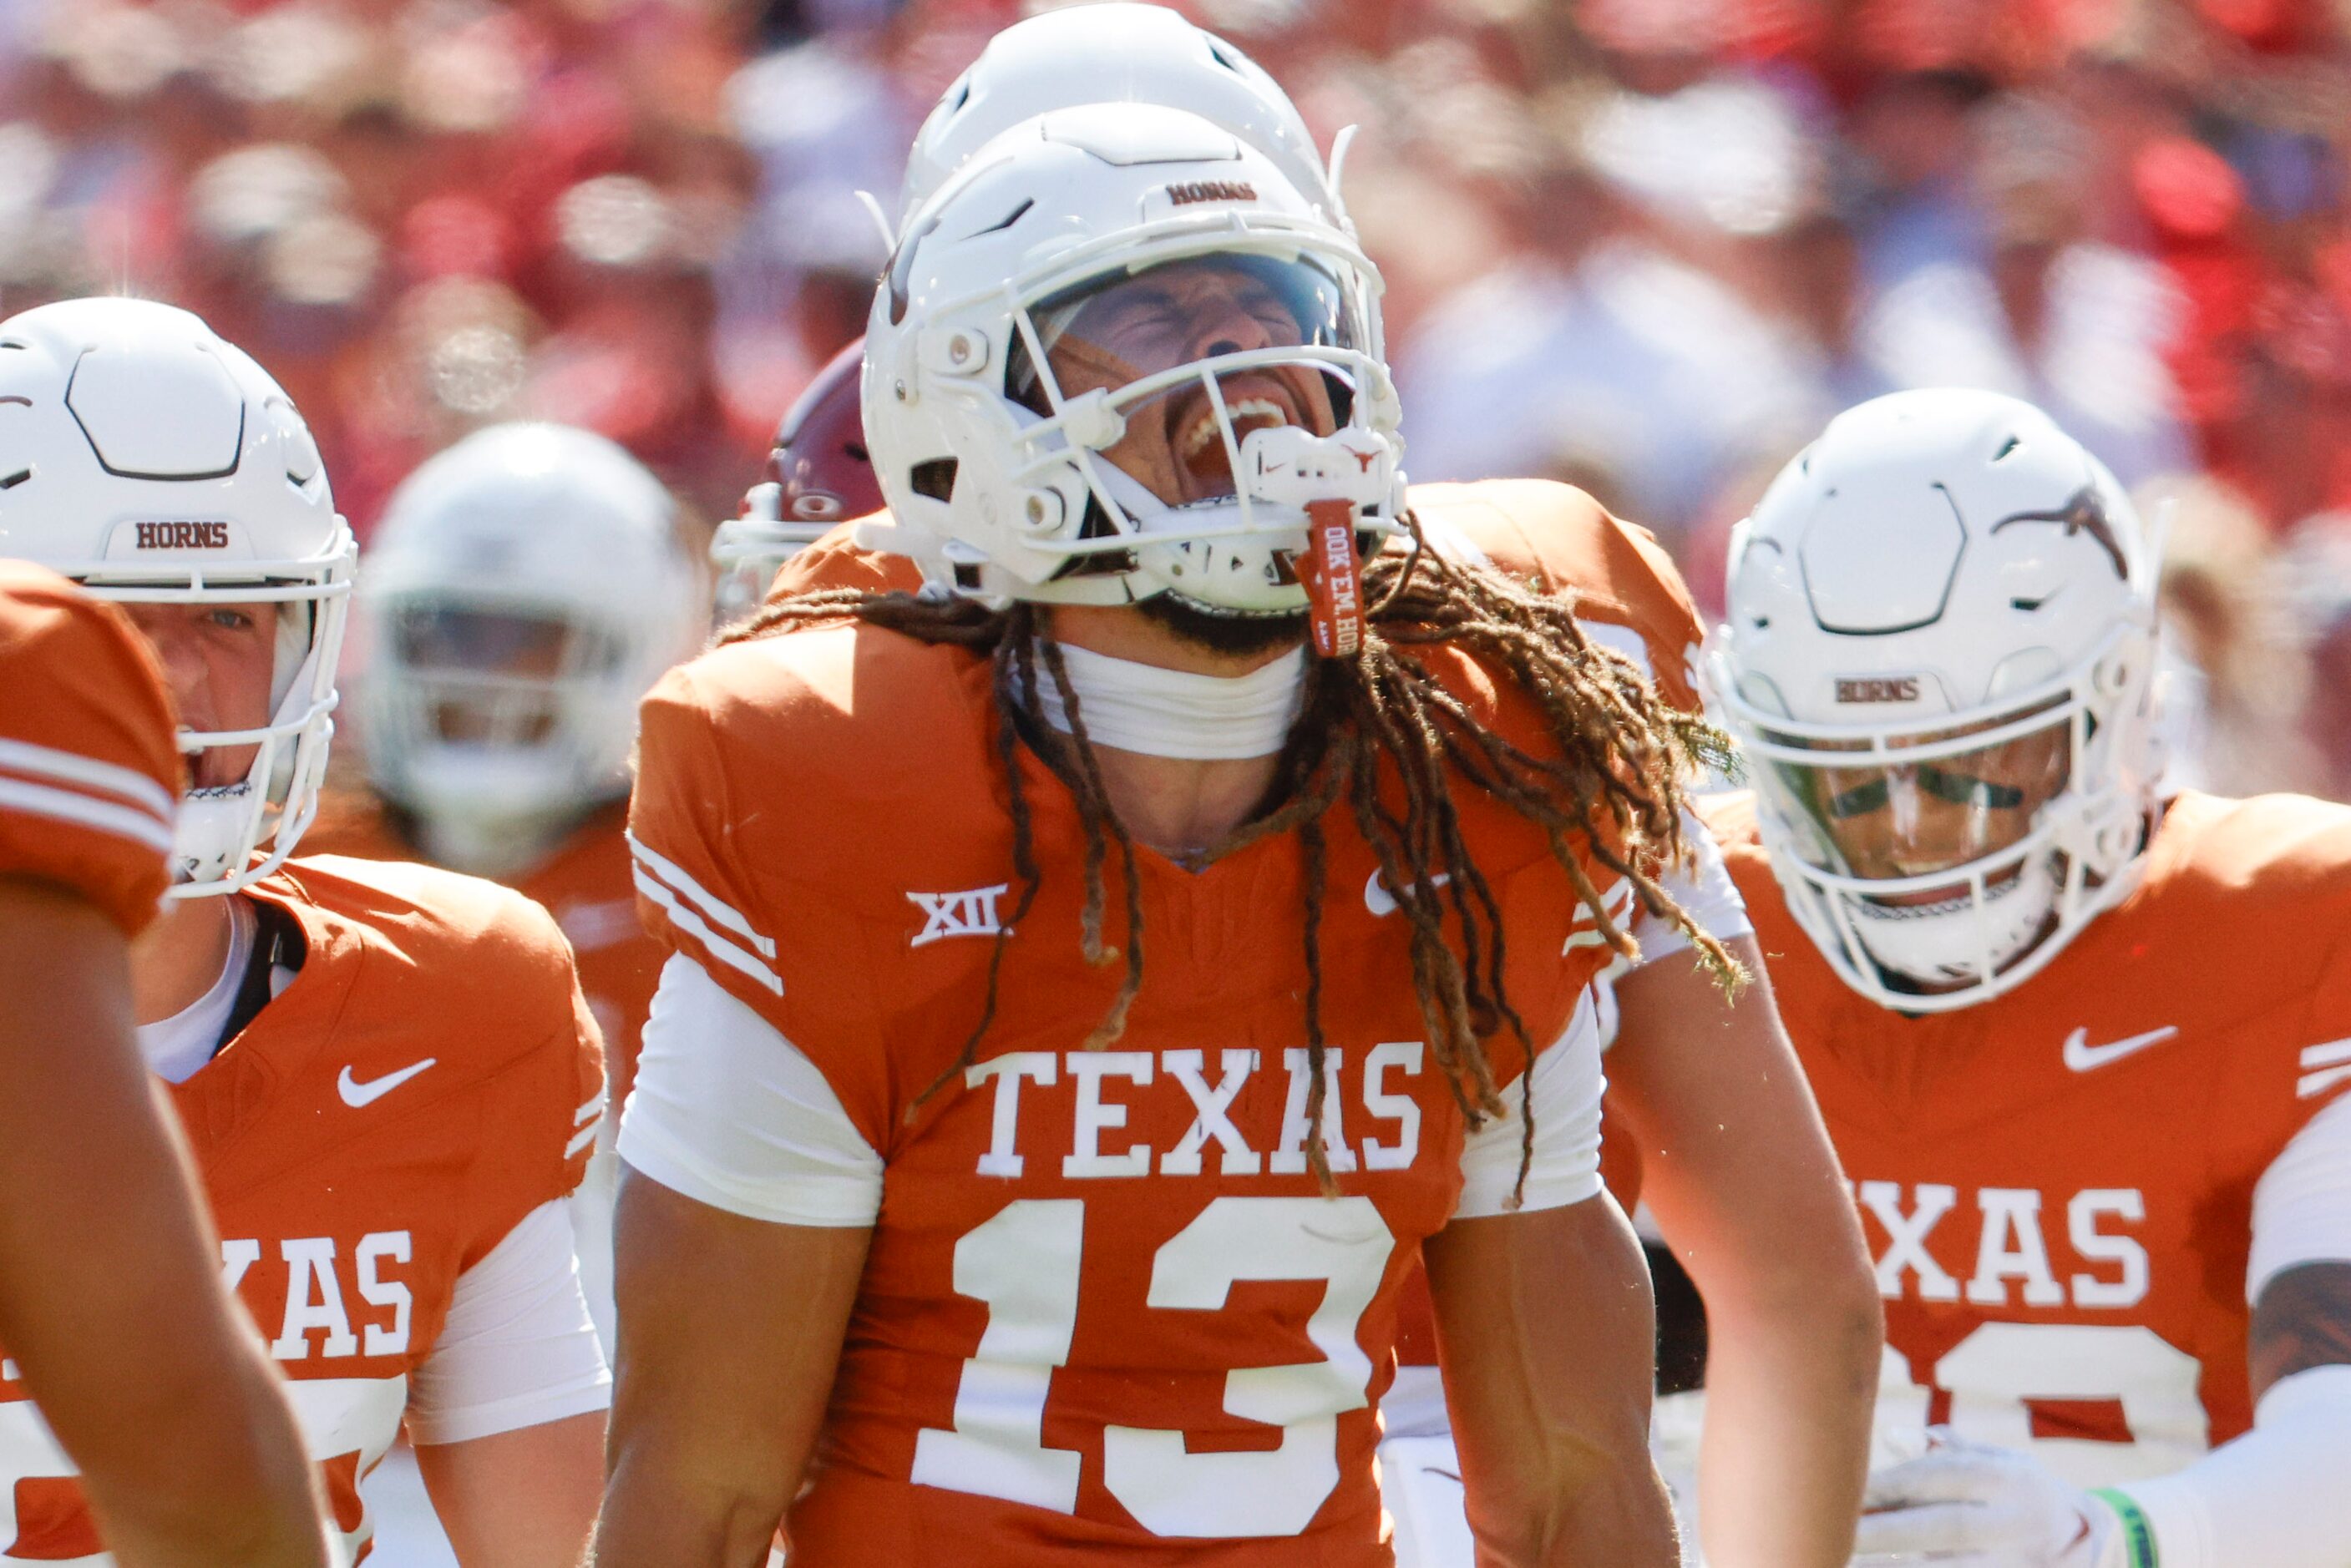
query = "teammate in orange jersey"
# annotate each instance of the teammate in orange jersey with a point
(1083, 1001)
(1733, 1156)
(2080, 1045)
(1739, 1168)
(524, 590)
(110, 1290)
(386, 1074)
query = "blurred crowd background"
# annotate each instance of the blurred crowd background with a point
(1647, 245)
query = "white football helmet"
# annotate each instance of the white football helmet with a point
(1038, 440)
(525, 589)
(1940, 659)
(156, 463)
(1113, 53)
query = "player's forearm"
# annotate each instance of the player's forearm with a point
(659, 1515)
(1546, 1329)
(1610, 1508)
(230, 1486)
(1791, 1382)
(111, 1295)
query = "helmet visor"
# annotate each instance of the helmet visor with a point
(1195, 353)
(1922, 804)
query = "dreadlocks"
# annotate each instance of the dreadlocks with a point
(1614, 783)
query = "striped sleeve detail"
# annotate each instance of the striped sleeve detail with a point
(686, 901)
(41, 781)
(73, 768)
(2323, 1067)
(587, 1119)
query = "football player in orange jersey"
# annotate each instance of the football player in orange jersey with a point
(1736, 1163)
(2081, 1045)
(1049, 1321)
(523, 590)
(387, 1077)
(110, 1286)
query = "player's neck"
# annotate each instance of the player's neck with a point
(177, 957)
(1177, 806)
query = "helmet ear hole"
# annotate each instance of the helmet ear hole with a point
(935, 478)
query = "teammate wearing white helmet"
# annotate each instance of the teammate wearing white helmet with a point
(1746, 1189)
(384, 1072)
(523, 590)
(2081, 1044)
(1091, 978)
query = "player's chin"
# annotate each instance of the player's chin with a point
(1233, 633)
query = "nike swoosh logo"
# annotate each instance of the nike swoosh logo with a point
(356, 1093)
(1380, 901)
(2085, 1057)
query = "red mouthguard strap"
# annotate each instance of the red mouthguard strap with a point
(1333, 575)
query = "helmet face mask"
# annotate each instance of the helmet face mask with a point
(1951, 791)
(162, 466)
(1086, 336)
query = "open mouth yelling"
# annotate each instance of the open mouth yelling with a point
(1254, 400)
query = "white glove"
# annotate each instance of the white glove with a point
(1971, 1505)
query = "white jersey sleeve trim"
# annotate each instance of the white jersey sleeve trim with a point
(518, 1348)
(731, 1114)
(2302, 1205)
(1566, 1085)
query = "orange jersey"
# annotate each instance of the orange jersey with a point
(89, 772)
(1106, 1311)
(584, 882)
(428, 1078)
(2057, 1182)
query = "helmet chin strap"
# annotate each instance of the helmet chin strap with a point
(1921, 942)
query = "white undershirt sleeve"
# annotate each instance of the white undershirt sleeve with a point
(1706, 893)
(1566, 1085)
(2273, 1497)
(518, 1349)
(2302, 1205)
(2276, 1496)
(731, 1114)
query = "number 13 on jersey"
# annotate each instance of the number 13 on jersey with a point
(1024, 1263)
